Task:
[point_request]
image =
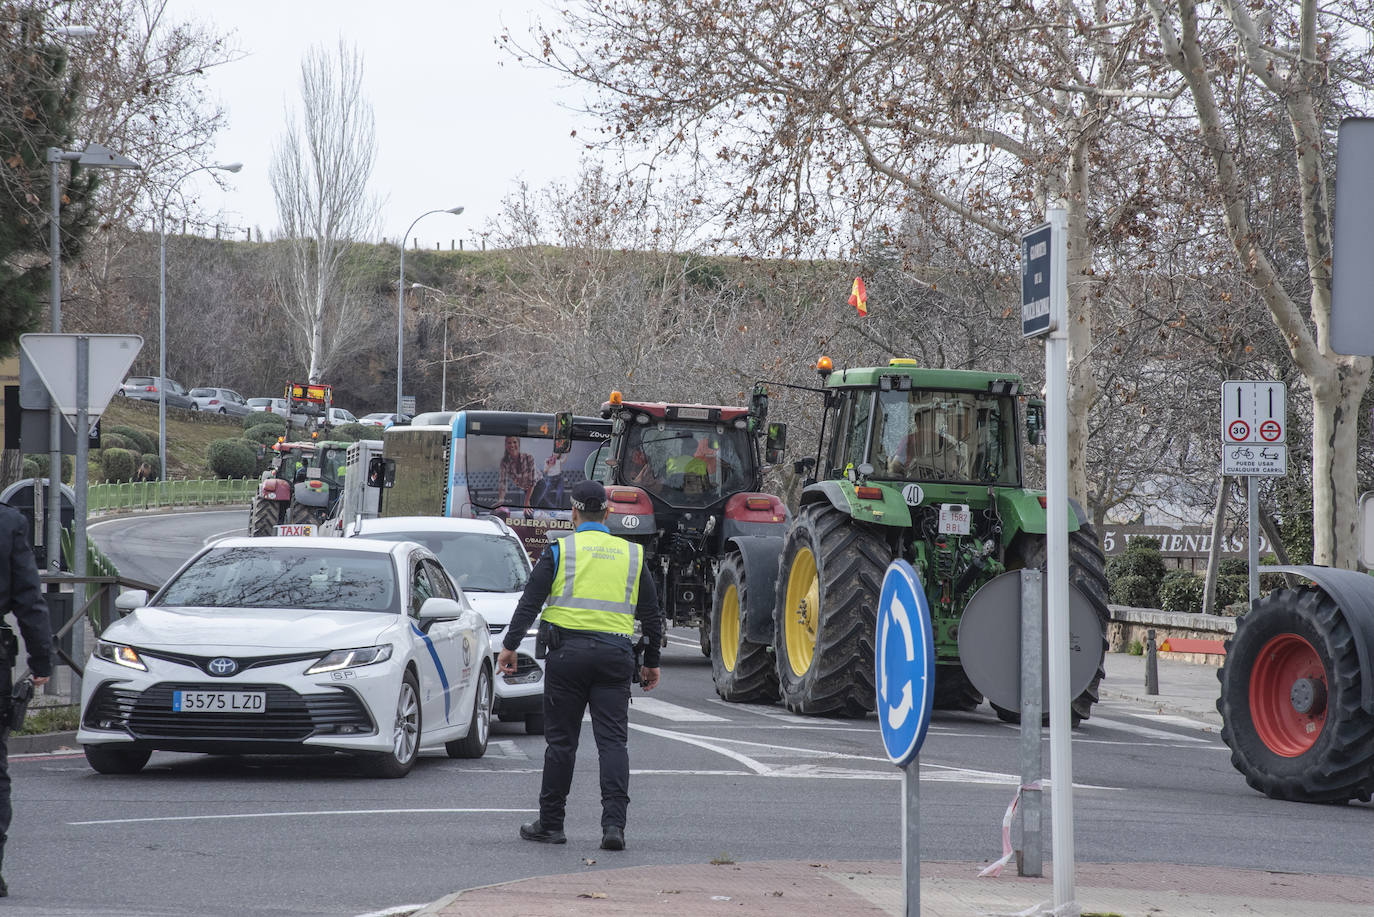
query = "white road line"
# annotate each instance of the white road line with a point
(678, 714)
(242, 815)
(1180, 721)
(506, 748)
(400, 910)
(682, 641)
(1136, 729)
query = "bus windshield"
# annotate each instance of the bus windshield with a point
(523, 472)
(926, 435)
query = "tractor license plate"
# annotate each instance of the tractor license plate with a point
(954, 519)
(296, 529)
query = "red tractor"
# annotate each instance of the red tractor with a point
(304, 482)
(684, 480)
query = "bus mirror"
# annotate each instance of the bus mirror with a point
(776, 444)
(562, 432)
(381, 472)
(1035, 421)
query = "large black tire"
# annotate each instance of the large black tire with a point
(824, 653)
(406, 730)
(264, 517)
(1290, 701)
(1087, 571)
(474, 744)
(305, 515)
(116, 759)
(742, 670)
(953, 690)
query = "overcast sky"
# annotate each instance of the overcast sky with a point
(459, 122)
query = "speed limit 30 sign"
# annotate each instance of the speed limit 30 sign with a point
(1254, 412)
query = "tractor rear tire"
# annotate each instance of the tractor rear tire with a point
(829, 580)
(1087, 571)
(305, 515)
(264, 517)
(953, 690)
(743, 670)
(1290, 701)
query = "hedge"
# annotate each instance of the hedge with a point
(232, 458)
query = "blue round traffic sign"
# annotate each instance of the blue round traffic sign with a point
(904, 663)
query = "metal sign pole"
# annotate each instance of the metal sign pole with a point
(1252, 554)
(911, 836)
(1031, 862)
(83, 446)
(1057, 565)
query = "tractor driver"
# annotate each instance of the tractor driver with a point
(687, 471)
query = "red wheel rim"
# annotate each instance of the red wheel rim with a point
(1285, 660)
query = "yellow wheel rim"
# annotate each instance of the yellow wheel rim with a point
(803, 611)
(729, 628)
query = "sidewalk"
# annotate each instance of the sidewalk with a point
(816, 889)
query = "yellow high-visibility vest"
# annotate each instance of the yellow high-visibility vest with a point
(596, 584)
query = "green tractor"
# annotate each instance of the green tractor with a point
(912, 463)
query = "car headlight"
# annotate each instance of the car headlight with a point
(349, 659)
(119, 654)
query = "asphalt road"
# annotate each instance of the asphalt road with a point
(306, 836)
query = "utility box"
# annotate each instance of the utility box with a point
(20, 496)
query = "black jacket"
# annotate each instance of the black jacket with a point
(22, 593)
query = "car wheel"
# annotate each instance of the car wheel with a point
(194, 406)
(405, 734)
(224, 410)
(474, 744)
(116, 759)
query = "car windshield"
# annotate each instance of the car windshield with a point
(927, 435)
(257, 401)
(139, 380)
(688, 464)
(286, 577)
(202, 393)
(477, 561)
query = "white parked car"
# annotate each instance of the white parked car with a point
(291, 645)
(220, 401)
(340, 416)
(487, 560)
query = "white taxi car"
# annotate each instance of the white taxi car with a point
(292, 645)
(485, 557)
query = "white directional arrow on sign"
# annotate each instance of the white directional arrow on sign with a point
(53, 357)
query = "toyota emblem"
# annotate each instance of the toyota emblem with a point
(222, 666)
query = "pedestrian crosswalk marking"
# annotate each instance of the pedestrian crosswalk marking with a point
(678, 714)
(1136, 729)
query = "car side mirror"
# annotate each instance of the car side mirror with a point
(758, 407)
(440, 609)
(130, 599)
(1035, 421)
(776, 444)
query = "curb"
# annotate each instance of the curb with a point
(41, 742)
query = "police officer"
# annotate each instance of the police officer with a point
(22, 593)
(595, 585)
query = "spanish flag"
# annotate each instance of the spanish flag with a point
(858, 297)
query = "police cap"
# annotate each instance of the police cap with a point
(589, 496)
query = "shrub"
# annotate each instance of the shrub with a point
(1232, 588)
(264, 433)
(1182, 591)
(1233, 566)
(143, 442)
(118, 464)
(39, 462)
(118, 441)
(1141, 558)
(262, 418)
(1135, 591)
(31, 467)
(232, 458)
(353, 431)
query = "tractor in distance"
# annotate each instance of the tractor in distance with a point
(301, 486)
(685, 480)
(912, 463)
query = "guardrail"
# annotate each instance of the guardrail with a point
(151, 494)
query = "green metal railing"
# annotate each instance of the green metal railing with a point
(97, 565)
(144, 495)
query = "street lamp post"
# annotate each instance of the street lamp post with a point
(94, 156)
(443, 364)
(162, 310)
(401, 301)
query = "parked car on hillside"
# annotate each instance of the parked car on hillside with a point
(146, 388)
(339, 416)
(384, 419)
(220, 401)
(269, 405)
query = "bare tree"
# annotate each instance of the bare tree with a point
(320, 171)
(1295, 61)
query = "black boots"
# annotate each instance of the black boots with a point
(612, 837)
(534, 831)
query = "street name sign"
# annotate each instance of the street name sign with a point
(1036, 261)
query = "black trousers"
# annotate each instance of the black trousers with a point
(6, 812)
(586, 673)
